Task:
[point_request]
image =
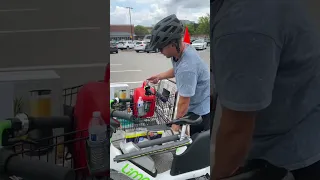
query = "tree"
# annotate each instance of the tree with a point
(204, 25)
(140, 30)
(191, 29)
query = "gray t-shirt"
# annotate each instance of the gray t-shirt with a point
(267, 59)
(193, 80)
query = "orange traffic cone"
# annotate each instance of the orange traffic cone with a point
(186, 36)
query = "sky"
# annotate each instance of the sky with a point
(149, 12)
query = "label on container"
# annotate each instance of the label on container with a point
(93, 137)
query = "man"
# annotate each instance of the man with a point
(267, 75)
(191, 72)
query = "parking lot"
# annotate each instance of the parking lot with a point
(133, 68)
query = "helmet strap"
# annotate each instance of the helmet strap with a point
(177, 43)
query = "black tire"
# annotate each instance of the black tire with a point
(128, 48)
(147, 51)
(137, 51)
(117, 52)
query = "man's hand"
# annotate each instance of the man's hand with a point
(154, 79)
(232, 142)
(165, 75)
(175, 128)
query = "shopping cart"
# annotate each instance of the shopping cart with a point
(165, 105)
(162, 99)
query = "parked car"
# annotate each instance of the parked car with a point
(199, 44)
(147, 38)
(140, 46)
(154, 50)
(207, 40)
(113, 48)
(125, 45)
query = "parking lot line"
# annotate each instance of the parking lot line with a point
(66, 66)
(125, 71)
(115, 64)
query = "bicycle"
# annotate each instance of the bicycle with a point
(134, 161)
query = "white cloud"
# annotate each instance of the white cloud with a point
(149, 12)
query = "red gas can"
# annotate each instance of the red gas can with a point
(149, 101)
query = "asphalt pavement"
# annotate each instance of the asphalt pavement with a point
(133, 68)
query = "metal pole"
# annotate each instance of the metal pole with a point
(130, 23)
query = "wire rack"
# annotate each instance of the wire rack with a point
(164, 111)
(59, 149)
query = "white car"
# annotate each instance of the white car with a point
(140, 46)
(147, 38)
(125, 45)
(199, 44)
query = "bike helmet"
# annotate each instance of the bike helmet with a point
(166, 31)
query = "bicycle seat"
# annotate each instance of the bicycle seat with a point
(190, 119)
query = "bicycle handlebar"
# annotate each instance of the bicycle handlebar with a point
(121, 115)
(34, 169)
(125, 100)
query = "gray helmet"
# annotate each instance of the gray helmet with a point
(166, 31)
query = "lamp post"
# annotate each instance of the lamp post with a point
(130, 22)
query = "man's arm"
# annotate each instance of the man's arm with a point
(166, 75)
(245, 69)
(232, 141)
(183, 106)
(186, 83)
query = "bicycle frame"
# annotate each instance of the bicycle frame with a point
(134, 172)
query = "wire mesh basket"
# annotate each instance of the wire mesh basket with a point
(59, 153)
(164, 111)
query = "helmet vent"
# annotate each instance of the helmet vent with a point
(157, 27)
(157, 39)
(168, 19)
(173, 29)
(165, 28)
(164, 39)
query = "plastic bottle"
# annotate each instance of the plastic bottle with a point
(129, 111)
(140, 107)
(97, 128)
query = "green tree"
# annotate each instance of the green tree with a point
(140, 30)
(191, 29)
(204, 25)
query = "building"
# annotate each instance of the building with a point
(121, 32)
